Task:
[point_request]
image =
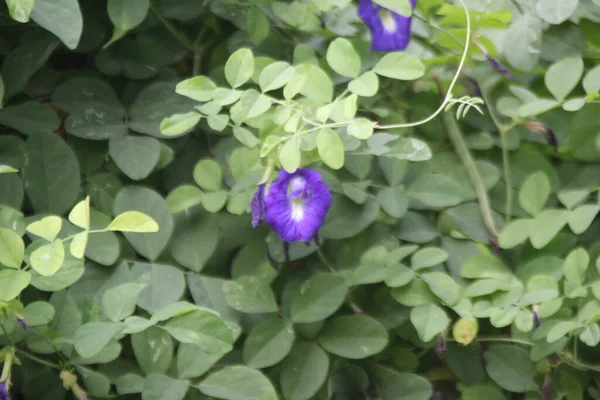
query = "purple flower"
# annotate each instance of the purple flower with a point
(4, 395)
(257, 205)
(22, 322)
(389, 31)
(295, 205)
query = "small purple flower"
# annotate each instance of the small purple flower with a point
(257, 205)
(295, 205)
(4, 395)
(389, 31)
(22, 323)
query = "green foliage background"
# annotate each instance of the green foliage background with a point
(134, 133)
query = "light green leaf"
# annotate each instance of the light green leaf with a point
(12, 283)
(199, 88)
(515, 233)
(79, 244)
(275, 76)
(183, 198)
(547, 225)
(250, 295)
(361, 128)
(20, 10)
(258, 25)
(12, 249)
(213, 202)
(127, 14)
(133, 221)
(48, 259)
(318, 298)
(534, 193)
(354, 337)
(179, 124)
(289, 155)
(429, 320)
(591, 81)
(239, 67)
(555, 12)
(61, 17)
(119, 302)
(562, 76)
(47, 227)
(400, 65)
(365, 85)
(317, 84)
(342, 58)
(245, 137)
(428, 257)
(218, 122)
(80, 214)
(576, 265)
(163, 387)
(238, 383)
(399, 275)
(582, 217)
(435, 190)
(331, 148)
(443, 286)
(207, 174)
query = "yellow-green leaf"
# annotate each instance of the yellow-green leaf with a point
(133, 221)
(47, 227)
(80, 214)
(48, 259)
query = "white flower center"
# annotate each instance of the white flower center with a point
(387, 20)
(297, 209)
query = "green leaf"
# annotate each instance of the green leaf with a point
(546, 226)
(258, 25)
(268, 343)
(354, 337)
(48, 259)
(70, 272)
(192, 362)
(509, 366)
(591, 335)
(318, 298)
(133, 221)
(443, 286)
(361, 128)
(79, 244)
(38, 313)
(166, 284)
(12, 249)
(199, 88)
(250, 295)
(119, 302)
(313, 82)
(275, 76)
(202, 328)
(556, 12)
(304, 371)
(141, 199)
(401, 7)
(51, 174)
(591, 80)
(515, 233)
(153, 349)
(524, 321)
(428, 257)
(92, 337)
(289, 155)
(207, 174)
(12, 283)
(214, 201)
(484, 265)
(582, 217)
(79, 215)
(562, 76)
(534, 193)
(342, 58)
(435, 190)
(239, 67)
(238, 383)
(331, 148)
(20, 9)
(183, 198)
(61, 17)
(163, 387)
(576, 265)
(429, 320)
(245, 137)
(393, 201)
(393, 385)
(400, 65)
(96, 121)
(179, 124)
(127, 14)
(399, 275)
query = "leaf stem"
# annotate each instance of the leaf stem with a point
(448, 96)
(466, 158)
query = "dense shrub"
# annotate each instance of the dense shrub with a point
(459, 258)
